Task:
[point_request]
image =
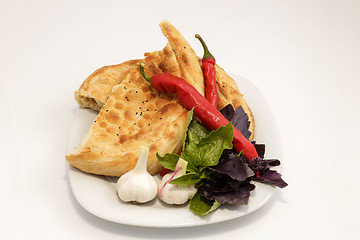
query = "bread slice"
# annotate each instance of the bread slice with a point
(133, 116)
(178, 58)
(229, 93)
(96, 89)
(185, 55)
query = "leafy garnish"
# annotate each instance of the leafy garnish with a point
(228, 194)
(262, 165)
(264, 174)
(168, 161)
(203, 206)
(188, 121)
(272, 177)
(260, 149)
(232, 165)
(187, 179)
(204, 149)
(238, 118)
(220, 174)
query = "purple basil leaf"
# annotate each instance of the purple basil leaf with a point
(271, 177)
(238, 118)
(233, 166)
(222, 184)
(262, 165)
(233, 197)
(228, 111)
(258, 165)
(272, 162)
(260, 149)
(210, 187)
(234, 184)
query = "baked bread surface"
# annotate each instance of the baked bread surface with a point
(185, 55)
(96, 89)
(229, 93)
(131, 114)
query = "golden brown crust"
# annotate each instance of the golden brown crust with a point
(169, 63)
(229, 92)
(185, 55)
(133, 116)
(96, 89)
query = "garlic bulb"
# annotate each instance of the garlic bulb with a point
(172, 193)
(138, 186)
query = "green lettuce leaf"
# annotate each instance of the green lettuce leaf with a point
(188, 121)
(187, 179)
(202, 206)
(205, 149)
(168, 161)
(196, 132)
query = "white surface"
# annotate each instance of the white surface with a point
(303, 55)
(98, 195)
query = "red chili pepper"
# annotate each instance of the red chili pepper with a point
(208, 67)
(209, 116)
(164, 172)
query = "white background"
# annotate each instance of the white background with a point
(303, 55)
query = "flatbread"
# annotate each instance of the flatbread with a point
(185, 55)
(229, 93)
(133, 116)
(178, 58)
(96, 89)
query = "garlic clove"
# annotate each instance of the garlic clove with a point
(137, 186)
(172, 193)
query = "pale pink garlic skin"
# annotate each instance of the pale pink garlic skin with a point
(172, 193)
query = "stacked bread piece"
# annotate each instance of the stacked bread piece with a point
(131, 114)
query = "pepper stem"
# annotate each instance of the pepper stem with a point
(207, 53)
(143, 73)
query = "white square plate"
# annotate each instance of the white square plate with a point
(98, 194)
